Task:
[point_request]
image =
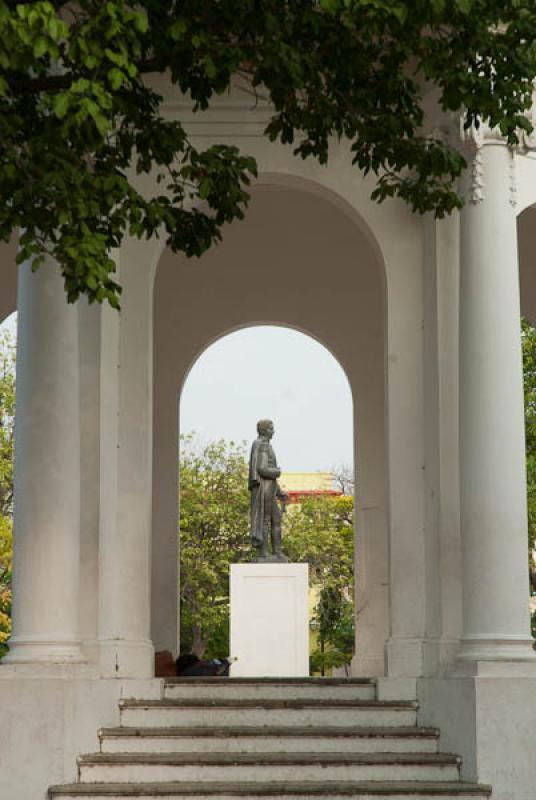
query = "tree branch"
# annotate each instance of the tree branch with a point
(44, 83)
(58, 83)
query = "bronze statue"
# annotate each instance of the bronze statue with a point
(265, 511)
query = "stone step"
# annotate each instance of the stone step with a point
(220, 713)
(271, 689)
(286, 790)
(262, 767)
(264, 740)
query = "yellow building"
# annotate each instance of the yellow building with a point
(299, 485)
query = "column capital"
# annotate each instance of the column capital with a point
(472, 142)
(474, 138)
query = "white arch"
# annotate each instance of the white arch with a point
(292, 179)
(309, 398)
(335, 293)
(262, 324)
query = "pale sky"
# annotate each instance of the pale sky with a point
(280, 374)
(10, 325)
(276, 373)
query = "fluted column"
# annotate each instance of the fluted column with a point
(47, 473)
(492, 444)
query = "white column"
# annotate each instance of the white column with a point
(492, 445)
(47, 473)
(126, 650)
(90, 390)
(405, 649)
(448, 288)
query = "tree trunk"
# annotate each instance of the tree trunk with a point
(199, 642)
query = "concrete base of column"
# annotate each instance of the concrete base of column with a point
(448, 650)
(126, 659)
(489, 721)
(37, 670)
(49, 719)
(404, 657)
(491, 669)
(53, 652)
(368, 666)
(412, 657)
(90, 649)
(491, 648)
(396, 689)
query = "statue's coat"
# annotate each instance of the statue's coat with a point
(256, 486)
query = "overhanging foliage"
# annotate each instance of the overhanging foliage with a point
(77, 120)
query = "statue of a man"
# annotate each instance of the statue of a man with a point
(264, 488)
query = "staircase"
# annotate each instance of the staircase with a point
(212, 738)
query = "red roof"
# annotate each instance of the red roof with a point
(294, 495)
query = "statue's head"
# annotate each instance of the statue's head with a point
(265, 427)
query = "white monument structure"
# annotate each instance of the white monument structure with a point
(423, 316)
(269, 620)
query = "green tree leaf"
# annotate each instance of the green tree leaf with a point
(76, 108)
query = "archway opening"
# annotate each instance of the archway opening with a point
(284, 375)
(526, 239)
(526, 242)
(302, 259)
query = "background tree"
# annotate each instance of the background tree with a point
(214, 533)
(7, 414)
(528, 341)
(79, 121)
(344, 477)
(6, 550)
(320, 531)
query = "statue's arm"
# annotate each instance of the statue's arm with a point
(272, 473)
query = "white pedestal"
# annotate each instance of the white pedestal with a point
(270, 620)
